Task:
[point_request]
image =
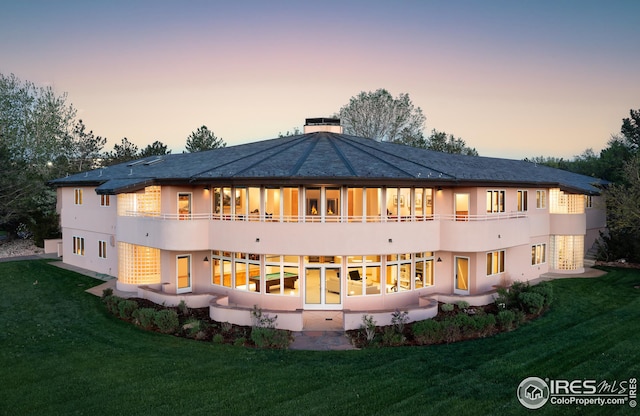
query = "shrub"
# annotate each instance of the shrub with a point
(193, 327)
(239, 342)
(392, 337)
(226, 326)
(368, 327)
(183, 308)
(144, 317)
(484, 323)
(111, 303)
(546, 290)
(428, 331)
(531, 302)
(217, 339)
(262, 320)
(462, 304)
(107, 292)
(447, 307)
(505, 319)
(264, 333)
(399, 319)
(451, 330)
(167, 321)
(269, 337)
(126, 308)
(464, 323)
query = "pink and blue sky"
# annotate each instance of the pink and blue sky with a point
(512, 78)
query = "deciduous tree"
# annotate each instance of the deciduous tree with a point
(379, 116)
(35, 134)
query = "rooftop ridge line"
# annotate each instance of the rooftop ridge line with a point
(290, 143)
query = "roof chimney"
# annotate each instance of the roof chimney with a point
(329, 124)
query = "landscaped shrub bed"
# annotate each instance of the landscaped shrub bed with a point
(457, 322)
(195, 323)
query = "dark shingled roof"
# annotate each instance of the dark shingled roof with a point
(330, 158)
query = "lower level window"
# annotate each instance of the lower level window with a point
(78, 246)
(102, 249)
(424, 269)
(495, 262)
(538, 255)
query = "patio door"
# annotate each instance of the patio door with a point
(183, 272)
(461, 275)
(322, 287)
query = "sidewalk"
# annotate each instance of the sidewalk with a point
(321, 341)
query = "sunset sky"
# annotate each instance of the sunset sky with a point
(512, 78)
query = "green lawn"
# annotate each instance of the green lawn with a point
(62, 353)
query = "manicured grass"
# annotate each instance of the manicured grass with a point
(62, 353)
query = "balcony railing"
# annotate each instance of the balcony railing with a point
(330, 219)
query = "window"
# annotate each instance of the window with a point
(77, 196)
(373, 204)
(588, 201)
(563, 203)
(138, 265)
(363, 275)
(281, 275)
(355, 204)
(147, 202)
(104, 200)
(495, 201)
(247, 271)
(538, 254)
(495, 262)
(424, 269)
(522, 200)
(566, 252)
(221, 271)
(398, 272)
(332, 210)
(272, 200)
(102, 249)
(184, 206)
(541, 199)
(78, 246)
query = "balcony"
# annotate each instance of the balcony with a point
(352, 235)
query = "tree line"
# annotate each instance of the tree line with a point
(618, 163)
(41, 138)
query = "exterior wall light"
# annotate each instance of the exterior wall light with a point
(206, 259)
(391, 240)
(257, 240)
(439, 260)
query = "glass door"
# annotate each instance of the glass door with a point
(322, 287)
(461, 278)
(183, 271)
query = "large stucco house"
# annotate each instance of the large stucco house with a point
(325, 226)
